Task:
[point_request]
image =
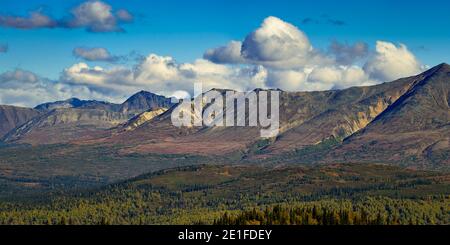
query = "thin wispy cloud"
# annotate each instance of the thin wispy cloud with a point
(336, 22)
(34, 20)
(4, 48)
(100, 54)
(421, 48)
(324, 19)
(94, 54)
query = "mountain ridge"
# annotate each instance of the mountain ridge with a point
(77, 103)
(73, 119)
(411, 113)
(415, 127)
(143, 101)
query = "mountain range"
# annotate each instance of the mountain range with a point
(64, 121)
(404, 122)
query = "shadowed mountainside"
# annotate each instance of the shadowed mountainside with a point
(415, 127)
(12, 117)
(144, 101)
(77, 103)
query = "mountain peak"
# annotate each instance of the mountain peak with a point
(144, 100)
(444, 67)
(73, 99)
(423, 107)
(143, 92)
(441, 68)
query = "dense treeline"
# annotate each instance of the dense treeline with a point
(113, 206)
(367, 211)
(371, 211)
(344, 194)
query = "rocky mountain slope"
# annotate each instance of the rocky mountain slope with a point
(306, 118)
(142, 118)
(12, 117)
(64, 125)
(404, 121)
(415, 127)
(396, 122)
(75, 119)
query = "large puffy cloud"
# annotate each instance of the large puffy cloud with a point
(275, 43)
(163, 75)
(319, 78)
(97, 16)
(289, 80)
(92, 15)
(229, 54)
(275, 40)
(293, 64)
(392, 62)
(24, 88)
(114, 83)
(340, 77)
(94, 54)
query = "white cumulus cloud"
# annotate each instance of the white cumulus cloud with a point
(163, 75)
(275, 40)
(24, 88)
(276, 55)
(275, 43)
(392, 62)
(92, 15)
(97, 16)
(229, 54)
(293, 63)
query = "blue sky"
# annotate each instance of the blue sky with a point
(185, 29)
